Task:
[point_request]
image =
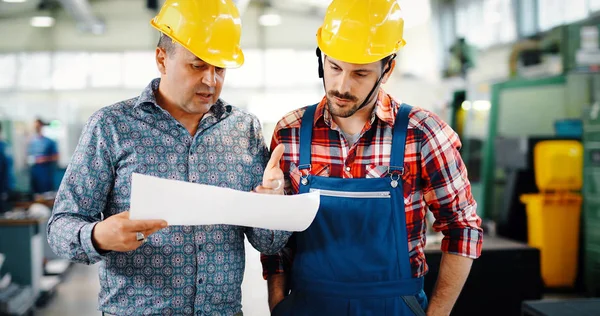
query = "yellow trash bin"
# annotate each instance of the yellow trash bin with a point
(553, 227)
(558, 165)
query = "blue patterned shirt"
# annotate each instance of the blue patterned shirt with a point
(180, 270)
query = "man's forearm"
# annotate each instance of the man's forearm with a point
(277, 285)
(454, 271)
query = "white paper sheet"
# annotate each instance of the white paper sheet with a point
(184, 203)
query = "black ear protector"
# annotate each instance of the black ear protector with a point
(320, 63)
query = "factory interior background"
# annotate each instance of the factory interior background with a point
(506, 75)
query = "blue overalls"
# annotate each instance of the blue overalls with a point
(353, 259)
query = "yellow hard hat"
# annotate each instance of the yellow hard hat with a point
(210, 29)
(361, 31)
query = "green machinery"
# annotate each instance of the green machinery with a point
(591, 190)
(526, 108)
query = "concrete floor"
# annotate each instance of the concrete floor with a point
(78, 294)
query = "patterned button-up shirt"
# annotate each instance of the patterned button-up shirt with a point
(434, 179)
(180, 270)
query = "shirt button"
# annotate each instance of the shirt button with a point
(348, 169)
(200, 281)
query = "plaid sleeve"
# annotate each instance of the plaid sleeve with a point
(280, 262)
(447, 190)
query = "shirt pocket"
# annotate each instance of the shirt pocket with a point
(376, 171)
(295, 174)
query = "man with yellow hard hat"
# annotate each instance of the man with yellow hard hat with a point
(178, 128)
(380, 165)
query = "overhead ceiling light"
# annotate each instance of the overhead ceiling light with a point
(42, 21)
(14, 1)
(269, 19)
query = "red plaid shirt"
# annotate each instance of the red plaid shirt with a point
(435, 176)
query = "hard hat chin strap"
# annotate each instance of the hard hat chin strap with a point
(387, 68)
(368, 99)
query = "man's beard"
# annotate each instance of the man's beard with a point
(348, 110)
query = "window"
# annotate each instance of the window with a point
(290, 68)
(70, 71)
(575, 10)
(527, 18)
(250, 75)
(594, 5)
(557, 12)
(139, 69)
(34, 71)
(486, 23)
(106, 70)
(550, 13)
(8, 75)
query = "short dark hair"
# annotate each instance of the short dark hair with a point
(167, 44)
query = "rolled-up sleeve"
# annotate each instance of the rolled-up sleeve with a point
(447, 190)
(83, 195)
(264, 240)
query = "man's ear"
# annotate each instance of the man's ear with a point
(161, 60)
(392, 65)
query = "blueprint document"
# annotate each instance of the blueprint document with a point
(185, 203)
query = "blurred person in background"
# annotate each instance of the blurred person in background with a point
(42, 155)
(380, 165)
(5, 173)
(180, 129)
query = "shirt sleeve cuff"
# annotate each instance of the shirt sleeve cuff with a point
(85, 234)
(271, 264)
(464, 242)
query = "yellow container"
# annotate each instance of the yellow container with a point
(553, 227)
(558, 165)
